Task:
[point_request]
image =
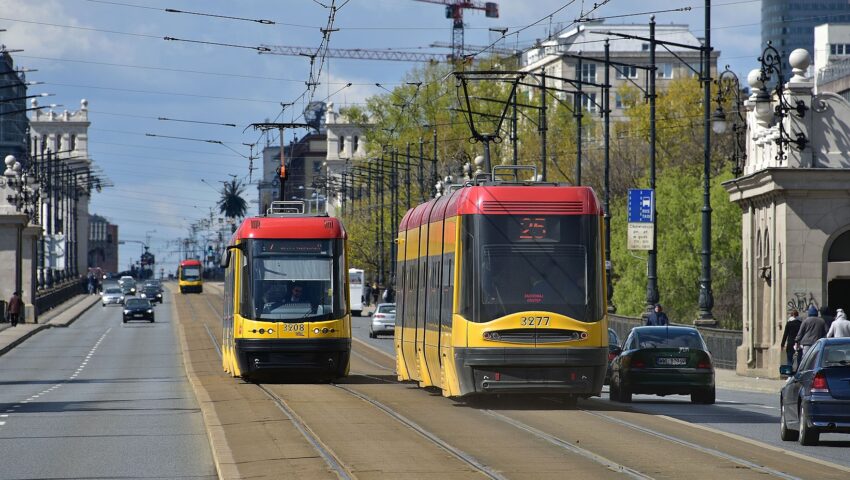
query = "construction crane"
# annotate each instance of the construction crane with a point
(356, 53)
(454, 10)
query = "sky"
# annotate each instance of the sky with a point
(113, 54)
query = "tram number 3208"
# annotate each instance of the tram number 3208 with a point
(293, 327)
(534, 321)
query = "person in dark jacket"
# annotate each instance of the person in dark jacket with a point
(367, 295)
(812, 329)
(657, 317)
(792, 328)
(16, 307)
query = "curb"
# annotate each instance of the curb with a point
(72, 319)
(208, 413)
(21, 339)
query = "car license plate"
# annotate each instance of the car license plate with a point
(138, 315)
(671, 361)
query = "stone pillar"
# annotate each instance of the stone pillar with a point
(31, 235)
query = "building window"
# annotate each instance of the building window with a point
(340, 143)
(354, 144)
(588, 101)
(644, 47)
(619, 103)
(694, 69)
(73, 145)
(665, 71)
(588, 72)
(626, 72)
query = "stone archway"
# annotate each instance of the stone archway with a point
(838, 273)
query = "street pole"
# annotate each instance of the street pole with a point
(422, 169)
(434, 163)
(652, 295)
(542, 127)
(513, 130)
(579, 106)
(407, 175)
(606, 106)
(381, 277)
(706, 297)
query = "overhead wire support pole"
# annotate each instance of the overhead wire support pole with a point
(422, 169)
(606, 110)
(543, 123)
(652, 294)
(579, 106)
(407, 176)
(514, 133)
(706, 296)
(282, 169)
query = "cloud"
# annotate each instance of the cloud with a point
(45, 40)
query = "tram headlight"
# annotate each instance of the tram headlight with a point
(492, 336)
(316, 330)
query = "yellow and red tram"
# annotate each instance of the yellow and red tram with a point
(501, 289)
(190, 276)
(286, 307)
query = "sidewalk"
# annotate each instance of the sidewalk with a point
(61, 316)
(730, 380)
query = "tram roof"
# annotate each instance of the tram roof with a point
(547, 199)
(189, 262)
(294, 227)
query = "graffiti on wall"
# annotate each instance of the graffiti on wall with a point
(802, 301)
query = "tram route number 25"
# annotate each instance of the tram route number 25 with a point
(534, 321)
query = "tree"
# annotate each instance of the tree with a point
(231, 203)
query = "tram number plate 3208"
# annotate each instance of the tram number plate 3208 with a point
(293, 327)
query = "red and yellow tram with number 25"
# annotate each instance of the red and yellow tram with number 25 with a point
(286, 307)
(501, 289)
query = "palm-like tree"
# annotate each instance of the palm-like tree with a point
(231, 203)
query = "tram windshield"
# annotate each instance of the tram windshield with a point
(296, 280)
(191, 273)
(519, 263)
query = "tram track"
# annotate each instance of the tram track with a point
(542, 432)
(327, 453)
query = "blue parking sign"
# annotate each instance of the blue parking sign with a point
(641, 206)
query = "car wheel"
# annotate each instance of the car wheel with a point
(125, 320)
(705, 397)
(613, 392)
(808, 436)
(785, 433)
(624, 394)
(151, 320)
(372, 334)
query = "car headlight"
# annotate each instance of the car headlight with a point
(150, 310)
(132, 290)
(126, 312)
(120, 299)
(143, 295)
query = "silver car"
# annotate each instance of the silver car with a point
(112, 296)
(383, 320)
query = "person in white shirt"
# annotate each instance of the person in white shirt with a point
(840, 326)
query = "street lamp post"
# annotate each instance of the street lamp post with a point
(718, 118)
(706, 296)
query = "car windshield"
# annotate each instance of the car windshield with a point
(386, 309)
(669, 338)
(835, 355)
(137, 303)
(612, 338)
(113, 290)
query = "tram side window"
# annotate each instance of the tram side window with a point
(448, 277)
(245, 301)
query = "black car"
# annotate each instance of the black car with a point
(138, 309)
(613, 350)
(663, 361)
(816, 398)
(151, 293)
(128, 287)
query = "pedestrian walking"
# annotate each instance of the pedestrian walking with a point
(792, 328)
(91, 283)
(367, 295)
(840, 326)
(657, 317)
(812, 329)
(16, 306)
(375, 293)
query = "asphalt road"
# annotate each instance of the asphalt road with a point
(748, 414)
(101, 399)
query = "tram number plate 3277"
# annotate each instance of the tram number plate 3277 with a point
(534, 321)
(293, 327)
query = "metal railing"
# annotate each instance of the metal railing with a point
(51, 298)
(722, 344)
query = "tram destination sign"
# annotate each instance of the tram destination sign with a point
(641, 210)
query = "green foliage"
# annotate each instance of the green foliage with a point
(231, 203)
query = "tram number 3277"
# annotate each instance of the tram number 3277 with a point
(534, 321)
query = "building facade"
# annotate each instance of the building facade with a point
(13, 108)
(790, 24)
(346, 143)
(832, 59)
(59, 146)
(588, 40)
(795, 212)
(103, 244)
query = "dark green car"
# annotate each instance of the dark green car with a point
(663, 361)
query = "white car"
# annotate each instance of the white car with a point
(112, 296)
(383, 320)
